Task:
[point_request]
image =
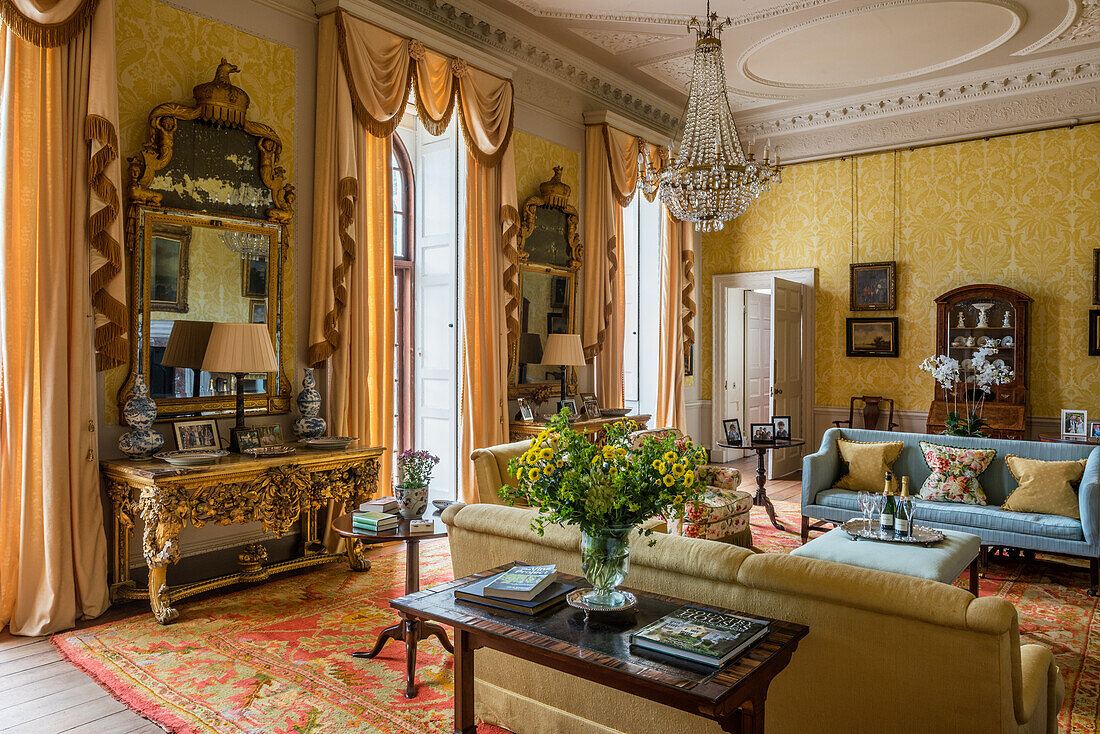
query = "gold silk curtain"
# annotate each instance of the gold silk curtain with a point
(365, 74)
(676, 312)
(614, 162)
(59, 255)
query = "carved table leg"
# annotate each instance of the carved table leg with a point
(357, 556)
(160, 547)
(761, 498)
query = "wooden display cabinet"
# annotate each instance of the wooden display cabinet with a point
(968, 318)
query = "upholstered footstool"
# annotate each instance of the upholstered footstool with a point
(942, 562)
(720, 515)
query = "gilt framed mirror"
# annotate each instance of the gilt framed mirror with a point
(543, 288)
(208, 226)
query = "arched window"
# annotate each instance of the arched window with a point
(404, 249)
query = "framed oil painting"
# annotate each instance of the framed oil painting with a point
(1096, 277)
(257, 311)
(254, 277)
(872, 286)
(169, 250)
(1094, 332)
(871, 337)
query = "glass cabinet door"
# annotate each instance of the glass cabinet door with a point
(983, 322)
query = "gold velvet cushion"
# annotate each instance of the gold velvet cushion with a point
(1046, 487)
(955, 471)
(867, 464)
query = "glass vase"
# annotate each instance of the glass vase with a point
(605, 559)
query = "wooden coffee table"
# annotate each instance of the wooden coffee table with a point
(733, 696)
(409, 629)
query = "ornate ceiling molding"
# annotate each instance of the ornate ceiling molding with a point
(1068, 73)
(1081, 25)
(618, 42)
(542, 56)
(675, 69)
(537, 8)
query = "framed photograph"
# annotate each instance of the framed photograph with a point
(762, 433)
(872, 286)
(871, 337)
(1094, 429)
(197, 434)
(270, 435)
(591, 405)
(169, 248)
(781, 427)
(732, 427)
(1094, 332)
(525, 412)
(254, 277)
(570, 403)
(257, 311)
(1075, 423)
(247, 438)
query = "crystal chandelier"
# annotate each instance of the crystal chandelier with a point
(246, 244)
(710, 181)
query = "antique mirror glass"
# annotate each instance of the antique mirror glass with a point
(545, 284)
(208, 220)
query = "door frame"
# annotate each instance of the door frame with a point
(807, 277)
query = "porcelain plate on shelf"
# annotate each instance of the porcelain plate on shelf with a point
(191, 457)
(329, 442)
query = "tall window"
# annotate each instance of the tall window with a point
(404, 250)
(642, 275)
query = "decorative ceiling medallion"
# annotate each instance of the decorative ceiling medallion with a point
(544, 10)
(778, 49)
(675, 69)
(618, 42)
(1081, 25)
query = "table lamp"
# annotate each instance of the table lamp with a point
(564, 350)
(240, 349)
(187, 348)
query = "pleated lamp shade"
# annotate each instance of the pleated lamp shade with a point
(187, 344)
(240, 348)
(563, 349)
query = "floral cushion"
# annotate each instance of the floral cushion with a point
(721, 476)
(717, 514)
(955, 471)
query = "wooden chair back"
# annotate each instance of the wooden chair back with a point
(871, 412)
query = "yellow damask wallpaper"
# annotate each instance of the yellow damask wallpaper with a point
(1020, 210)
(535, 161)
(162, 53)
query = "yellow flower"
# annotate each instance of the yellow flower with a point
(614, 471)
(533, 474)
(668, 480)
(689, 478)
(620, 451)
(519, 473)
(660, 466)
(679, 499)
(657, 464)
(678, 469)
(548, 471)
(670, 456)
(545, 454)
(596, 459)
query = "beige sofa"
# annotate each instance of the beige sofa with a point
(885, 653)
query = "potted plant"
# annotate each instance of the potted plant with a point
(975, 383)
(414, 471)
(607, 490)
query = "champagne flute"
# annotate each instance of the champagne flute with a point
(864, 499)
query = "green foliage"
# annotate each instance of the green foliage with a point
(972, 426)
(574, 481)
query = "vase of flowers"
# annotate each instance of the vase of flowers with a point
(974, 383)
(606, 489)
(414, 471)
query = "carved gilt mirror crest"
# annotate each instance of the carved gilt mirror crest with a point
(208, 226)
(544, 286)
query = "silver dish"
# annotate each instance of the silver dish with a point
(269, 451)
(859, 528)
(191, 457)
(576, 600)
(442, 505)
(329, 442)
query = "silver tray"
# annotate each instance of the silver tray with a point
(859, 528)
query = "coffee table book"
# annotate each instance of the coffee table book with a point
(522, 582)
(552, 596)
(700, 635)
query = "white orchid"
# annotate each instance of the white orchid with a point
(944, 369)
(981, 373)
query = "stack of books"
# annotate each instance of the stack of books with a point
(524, 589)
(379, 504)
(700, 635)
(373, 522)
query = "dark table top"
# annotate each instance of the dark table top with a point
(603, 644)
(782, 443)
(1056, 438)
(342, 527)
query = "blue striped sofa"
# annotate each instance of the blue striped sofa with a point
(996, 527)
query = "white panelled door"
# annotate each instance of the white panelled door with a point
(758, 360)
(733, 403)
(786, 369)
(436, 367)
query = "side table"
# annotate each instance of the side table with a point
(410, 629)
(762, 449)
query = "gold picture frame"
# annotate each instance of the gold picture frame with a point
(872, 286)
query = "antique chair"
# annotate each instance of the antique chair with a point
(722, 511)
(872, 412)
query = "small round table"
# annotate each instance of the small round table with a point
(1056, 438)
(410, 630)
(761, 449)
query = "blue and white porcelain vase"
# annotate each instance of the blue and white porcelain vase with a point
(140, 412)
(311, 424)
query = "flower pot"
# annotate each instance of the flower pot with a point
(411, 501)
(605, 559)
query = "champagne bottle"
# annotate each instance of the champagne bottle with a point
(886, 516)
(903, 513)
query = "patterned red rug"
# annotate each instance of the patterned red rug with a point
(273, 658)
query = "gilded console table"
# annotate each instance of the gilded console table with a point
(276, 491)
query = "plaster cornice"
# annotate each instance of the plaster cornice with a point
(493, 31)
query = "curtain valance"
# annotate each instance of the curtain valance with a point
(633, 163)
(47, 23)
(381, 68)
